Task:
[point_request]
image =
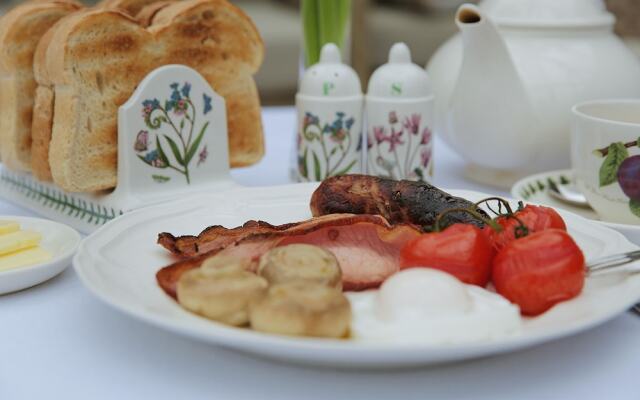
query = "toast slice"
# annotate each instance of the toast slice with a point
(94, 61)
(20, 31)
(96, 58)
(129, 7)
(44, 98)
(147, 13)
(42, 121)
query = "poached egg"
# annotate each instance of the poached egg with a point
(424, 305)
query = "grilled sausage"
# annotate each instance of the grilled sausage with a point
(411, 202)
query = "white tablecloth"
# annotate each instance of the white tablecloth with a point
(57, 341)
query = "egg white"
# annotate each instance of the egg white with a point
(405, 310)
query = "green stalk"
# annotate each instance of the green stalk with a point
(344, 13)
(311, 31)
(324, 21)
(327, 22)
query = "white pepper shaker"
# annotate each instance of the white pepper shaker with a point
(399, 108)
(329, 105)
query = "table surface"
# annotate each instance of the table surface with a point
(57, 339)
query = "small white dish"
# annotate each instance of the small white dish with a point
(59, 239)
(118, 264)
(535, 188)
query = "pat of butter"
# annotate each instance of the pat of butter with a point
(24, 258)
(20, 240)
(8, 227)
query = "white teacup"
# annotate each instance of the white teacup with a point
(605, 155)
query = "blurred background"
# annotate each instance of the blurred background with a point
(375, 26)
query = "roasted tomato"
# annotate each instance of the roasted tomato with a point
(534, 218)
(539, 270)
(462, 250)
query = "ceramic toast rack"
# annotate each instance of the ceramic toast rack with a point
(172, 140)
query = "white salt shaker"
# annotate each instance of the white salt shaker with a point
(329, 105)
(399, 108)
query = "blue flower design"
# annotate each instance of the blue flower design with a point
(175, 95)
(148, 106)
(207, 103)
(151, 156)
(310, 119)
(186, 89)
(153, 104)
(349, 123)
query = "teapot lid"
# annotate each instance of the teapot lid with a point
(399, 77)
(548, 12)
(330, 77)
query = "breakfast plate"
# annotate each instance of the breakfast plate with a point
(535, 188)
(118, 264)
(58, 239)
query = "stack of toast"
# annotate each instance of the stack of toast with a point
(65, 70)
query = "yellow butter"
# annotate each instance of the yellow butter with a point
(8, 227)
(15, 241)
(32, 256)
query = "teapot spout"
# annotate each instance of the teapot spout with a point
(489, 115)
(484, 48)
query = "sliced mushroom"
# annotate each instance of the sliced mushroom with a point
(301, 308)
(301, 262)
(223, 294)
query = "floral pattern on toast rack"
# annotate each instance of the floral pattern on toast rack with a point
(171, 141)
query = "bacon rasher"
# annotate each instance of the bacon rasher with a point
(366, 246)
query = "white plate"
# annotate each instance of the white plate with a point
(60, 240)
(118, 264)
(534, 189)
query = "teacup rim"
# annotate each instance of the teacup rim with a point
(576, 110)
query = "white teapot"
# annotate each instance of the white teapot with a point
(505, 86)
